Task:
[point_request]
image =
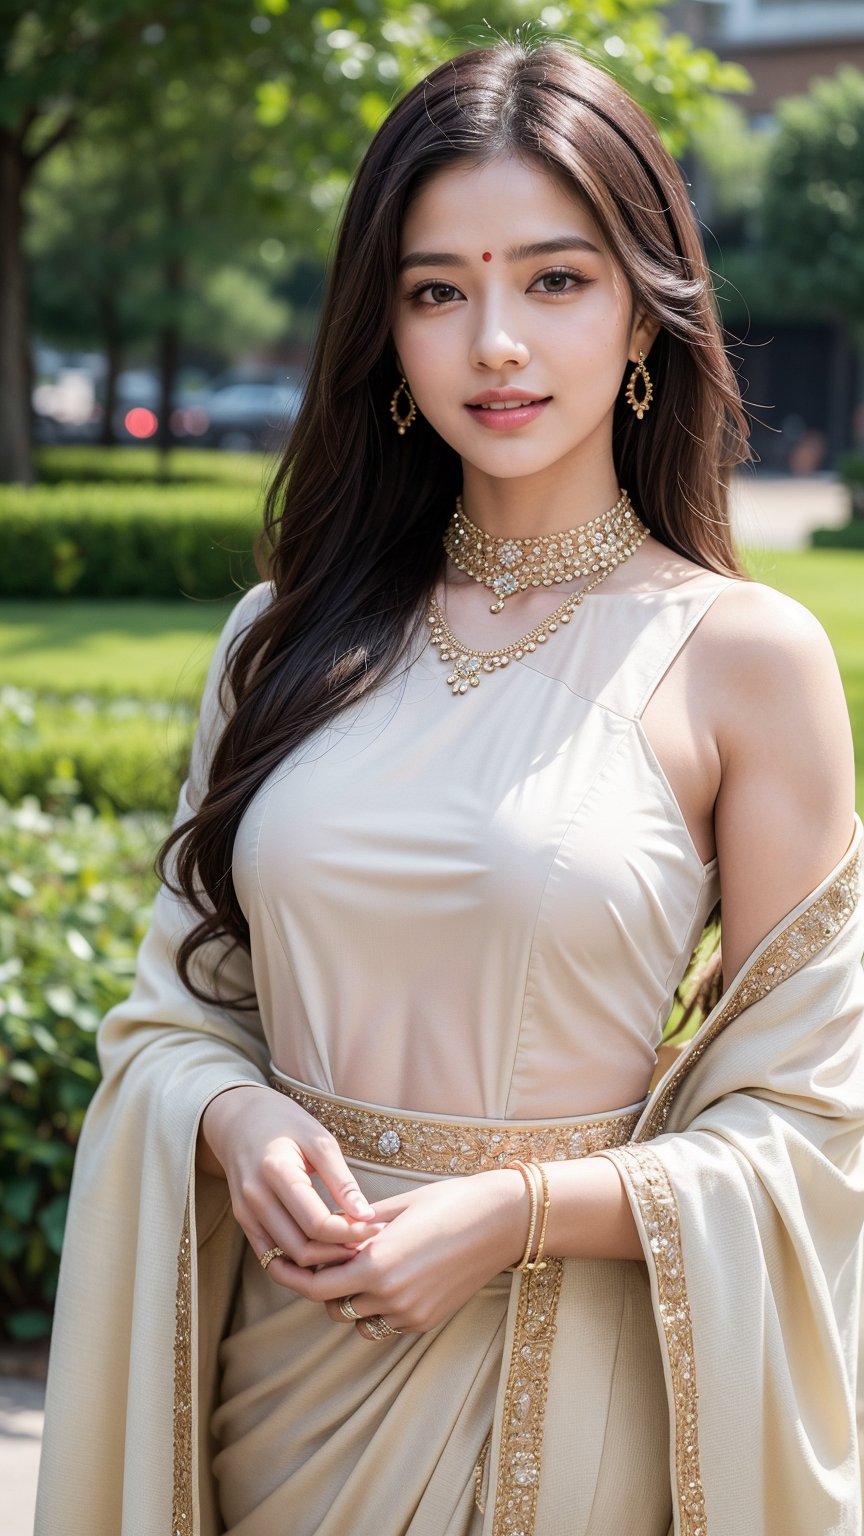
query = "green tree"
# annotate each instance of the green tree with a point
(318, 78)
(57, 64)
(100, 241)
(812, 225)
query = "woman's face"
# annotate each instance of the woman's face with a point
(505, 284)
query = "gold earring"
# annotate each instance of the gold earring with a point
(402, 422)
(643, 405)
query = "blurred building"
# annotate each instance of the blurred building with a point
(783, 44)
(809, 375)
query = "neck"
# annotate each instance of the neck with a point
(545, 503)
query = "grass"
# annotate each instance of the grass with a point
(140, 649)
(831, 584)
(161, 650)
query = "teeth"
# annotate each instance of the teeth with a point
(506, 405)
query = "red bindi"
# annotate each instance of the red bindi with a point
(487, 255)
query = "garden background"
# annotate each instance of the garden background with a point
(168, 192)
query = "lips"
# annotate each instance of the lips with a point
(511, 394)
(504, 405)
(504, 410)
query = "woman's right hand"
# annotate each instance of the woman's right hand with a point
(267, 1148)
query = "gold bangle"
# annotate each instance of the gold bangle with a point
(538, 1262)
(531, 1186)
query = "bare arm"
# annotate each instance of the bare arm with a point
(783, 819)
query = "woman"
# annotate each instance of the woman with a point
(376, 1226)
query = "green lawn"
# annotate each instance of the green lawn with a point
(830, 582)
(149, 650)
(162, 649)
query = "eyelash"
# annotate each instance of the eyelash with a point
(579, 279)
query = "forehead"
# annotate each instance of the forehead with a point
(501, 202)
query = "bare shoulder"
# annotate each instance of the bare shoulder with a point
(767, 651)
(783, 816)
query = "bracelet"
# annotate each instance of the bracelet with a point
(538, 1262)
(531, 1186)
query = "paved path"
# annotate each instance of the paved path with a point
(20, 1434)
(767, 514)
(779, 513)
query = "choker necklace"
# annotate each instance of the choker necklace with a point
(470, 664)
(506, 566)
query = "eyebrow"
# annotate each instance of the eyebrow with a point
(514, 253)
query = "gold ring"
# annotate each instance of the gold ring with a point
(378, 1329)
(347, 1310)
(270, 1255)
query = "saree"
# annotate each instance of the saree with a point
(745, 1174)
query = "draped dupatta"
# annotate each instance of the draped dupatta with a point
(745, 1175)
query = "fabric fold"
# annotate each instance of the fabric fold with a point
(749, 1204)
(731, 1356)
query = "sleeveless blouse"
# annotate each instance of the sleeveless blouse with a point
(481, 906)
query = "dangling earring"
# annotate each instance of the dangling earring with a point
(402, 422)
(643, 405)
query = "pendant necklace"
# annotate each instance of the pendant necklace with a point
(469, 663)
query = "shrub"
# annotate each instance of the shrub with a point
(849, 536)
(116, 755)
(73, 909)
(130, 540)
(67, 463)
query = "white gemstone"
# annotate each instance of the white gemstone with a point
(389, 1143)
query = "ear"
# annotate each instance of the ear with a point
(643, 335)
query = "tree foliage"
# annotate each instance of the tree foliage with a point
(813, 213)
(249, 116)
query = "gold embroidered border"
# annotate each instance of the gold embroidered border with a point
(809, 933)
(449, 1147)
(522, 1424)
(182, 1507)
(659, 1208)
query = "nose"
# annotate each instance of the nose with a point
(496, 342)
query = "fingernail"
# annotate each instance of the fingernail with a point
(357, 1204)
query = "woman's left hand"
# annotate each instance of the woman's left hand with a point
(443, 1242)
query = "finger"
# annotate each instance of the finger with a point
(315, 1219)
(393, 1206)
(367, 1330)
(328, 1284)
(335, 1313)
(302, 1249)
(261, 1242)
(326, 1158)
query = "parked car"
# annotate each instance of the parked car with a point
(136, 407)
(250, 414)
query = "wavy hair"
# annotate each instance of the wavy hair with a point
(355, 514)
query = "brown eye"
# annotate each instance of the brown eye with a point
(441, 293)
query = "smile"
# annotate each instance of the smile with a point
(506, 405)
(505, 415)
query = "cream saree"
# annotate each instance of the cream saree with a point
(745, 1172)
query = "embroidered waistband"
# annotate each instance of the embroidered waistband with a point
(431, 1144)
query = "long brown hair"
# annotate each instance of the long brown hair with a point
(355, 513)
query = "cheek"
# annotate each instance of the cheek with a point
(428, 344)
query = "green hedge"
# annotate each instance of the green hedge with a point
(849, 536)
(60, 463)
(132, 540)
(118, 756)
(74, 898)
